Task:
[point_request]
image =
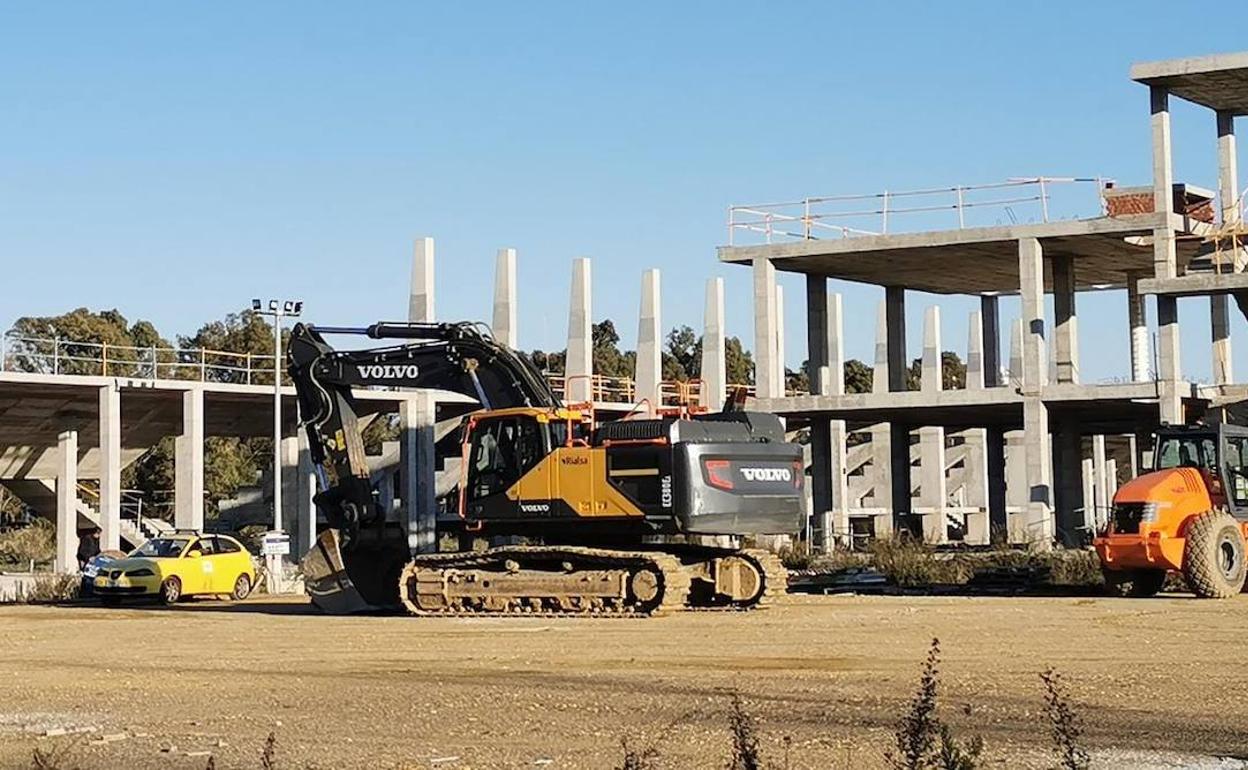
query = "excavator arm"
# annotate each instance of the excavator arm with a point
(458, 357)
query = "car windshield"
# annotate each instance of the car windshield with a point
(161, 547)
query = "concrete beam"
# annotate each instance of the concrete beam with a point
(1031, 287)
(648, 365)
(110, 467)
(714, 367)
(504, 320)
(579, 361)
(67, 502)
(420, 298)
(1065, 327)
(1137, 320)
(417, 471)
(188, 461)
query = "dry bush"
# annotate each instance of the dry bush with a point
(645, 758)
(745, 753)
(1064, 724)
(1075, 568)
(268, 757)
(910, 562)
(35, 542)
(50, 589)
(923, 741)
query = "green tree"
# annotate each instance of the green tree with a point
(858, 377)
(682, 356)
(953, 372)
(238, 348)
(85, 342)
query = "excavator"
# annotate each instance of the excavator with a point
(630, 517)
(1189, 515)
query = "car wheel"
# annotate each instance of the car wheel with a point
(242, 587)
(171, 590)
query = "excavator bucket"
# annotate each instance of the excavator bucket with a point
(364, 578)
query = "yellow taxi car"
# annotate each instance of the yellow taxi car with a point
(171, 567)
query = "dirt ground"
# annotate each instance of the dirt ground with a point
(1161, 681)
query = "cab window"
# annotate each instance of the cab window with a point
(1187, 452)
(1237, 468)
(225, 545)
(503, 450)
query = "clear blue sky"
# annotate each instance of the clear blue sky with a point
(174, 159)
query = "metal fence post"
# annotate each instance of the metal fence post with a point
(248, 368)
(961, 218)
(1044, 201)
(104, 359)
(155, 365)
(884, 229)
(3, 357)
(56, 355)
(203, 365)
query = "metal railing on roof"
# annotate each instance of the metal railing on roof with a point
(846, 216)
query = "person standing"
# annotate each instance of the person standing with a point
(88, 547)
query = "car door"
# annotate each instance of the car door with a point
(230, 561)
(194, 567)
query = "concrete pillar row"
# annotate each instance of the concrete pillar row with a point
(780, 379)
(110, 467)
(417, 471)
(714, 365)
(420, 298)
(188, 463)
(504, 317)
(1036, 524)
(648, 365)
(67, 502)
(579, 360)
(766, 323)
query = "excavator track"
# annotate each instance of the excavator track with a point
(544, 580)
(586, 582)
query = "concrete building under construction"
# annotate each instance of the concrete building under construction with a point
(1020, 452)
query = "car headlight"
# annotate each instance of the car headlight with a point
(144, 572)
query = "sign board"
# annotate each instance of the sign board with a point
(275, 544)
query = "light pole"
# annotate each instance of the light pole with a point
(278, 310)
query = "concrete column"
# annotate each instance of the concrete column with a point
(836, 521)
(1228, 174)
(1137, 319)
(579, 362)
(417, 476)
(1164, 263)
(836, 347)
(1100, 500)
(781, 379)
(1220, 334)
(882, 478)
(1066, 327)
(975, 441)
(879, 372)
(895, 313)
(110, 467)
(933, 488)
(1088, 476)
(766, 323)
(305, 509)
(67, 502)
(1168, 360)
(290, 487)
(1036, 526)
(189, 463)
(989, 307)
(1031, 287)
(648, 367)
(714, 367)
(504, 326)
(1068, 484)
(420, 299)
(818, 335)
(994, 451)
(1016, 354)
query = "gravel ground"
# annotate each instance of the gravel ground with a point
(1158, 683)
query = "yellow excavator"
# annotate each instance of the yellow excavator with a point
(627, 517)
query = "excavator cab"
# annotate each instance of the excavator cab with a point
(1189, 514)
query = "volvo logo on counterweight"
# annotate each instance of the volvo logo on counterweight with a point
(767, 474)
(389, 371)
